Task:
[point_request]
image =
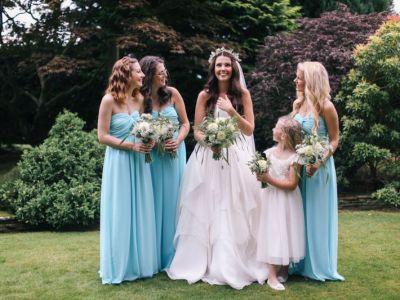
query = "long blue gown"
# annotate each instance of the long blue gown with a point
(166, 176)
(320, 201)
(127, 222)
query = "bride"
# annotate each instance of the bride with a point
(218, 203)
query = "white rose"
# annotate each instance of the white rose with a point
(262, 163)
(308, 151)
(219, 120)
(300, 150)
(212, 127)
(231, 128)
(221, 136)
(319, 148)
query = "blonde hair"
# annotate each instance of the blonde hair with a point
(292, 132)
(316, 90)
(118, 82)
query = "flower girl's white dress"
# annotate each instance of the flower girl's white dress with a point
(281, 230)
(218, 215)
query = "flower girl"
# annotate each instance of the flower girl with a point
(281, 230)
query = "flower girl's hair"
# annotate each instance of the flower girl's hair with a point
(118, 82)
(292, 134)
(316, 89)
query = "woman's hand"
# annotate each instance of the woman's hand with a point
(225, 104)
(142, 148)
(264, 177)
(171, 145)
(311, 169)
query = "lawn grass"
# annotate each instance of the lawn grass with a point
(64, 265)
(5, 214)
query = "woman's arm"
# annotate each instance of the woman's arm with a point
(200, 113)
(246, 122)
(332, 123)
(177, 100)
(331, 118)
(103, 125)
(289, 184)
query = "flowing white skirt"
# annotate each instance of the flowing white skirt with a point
(281, 230)
(217, 222)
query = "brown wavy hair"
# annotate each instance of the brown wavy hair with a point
(234, 89)
(292, 130)
(118, 81)
(148, 64)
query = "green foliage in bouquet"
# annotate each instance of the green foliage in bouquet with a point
(370, 100)
(59, 181)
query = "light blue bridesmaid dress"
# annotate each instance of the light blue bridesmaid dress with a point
(127, 222)
(166, 174)
(320, 202)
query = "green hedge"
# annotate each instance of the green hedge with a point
(59, 181)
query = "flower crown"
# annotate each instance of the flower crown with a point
(218, 51)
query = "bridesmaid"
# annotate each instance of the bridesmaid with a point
(127, 223)
(163, 100)
(316, 113)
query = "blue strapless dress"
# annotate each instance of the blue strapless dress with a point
(127, 222)
(320, 202)
(166, 174)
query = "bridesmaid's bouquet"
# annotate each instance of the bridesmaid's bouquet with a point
(164, 129)
(144, 130)
(258, 165)
(219, 134)
(313, 149)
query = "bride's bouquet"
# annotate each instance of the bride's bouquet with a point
(164, 130)
(258, 165)
(144, 130)
(219, 134)
(313, 149)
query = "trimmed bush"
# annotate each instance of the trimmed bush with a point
(59, 182)
(370, 100)
(389, 194)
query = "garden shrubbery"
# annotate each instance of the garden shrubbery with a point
(59, 181)
(370, 101)
(329, 39)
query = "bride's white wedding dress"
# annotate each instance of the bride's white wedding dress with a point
(217, 219)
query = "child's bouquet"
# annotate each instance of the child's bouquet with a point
(220, 133)
(313, 149)
(145, 131)
(258, 165)
(164, 129)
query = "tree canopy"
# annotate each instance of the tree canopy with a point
(63, 59)
(329, 39)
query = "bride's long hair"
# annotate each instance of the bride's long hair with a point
(316, 91)
(234, 89)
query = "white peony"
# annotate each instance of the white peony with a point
(308, 151)
(221, 136)
(319, 148)
(212, 127)
(262, 163)
(231, 128)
